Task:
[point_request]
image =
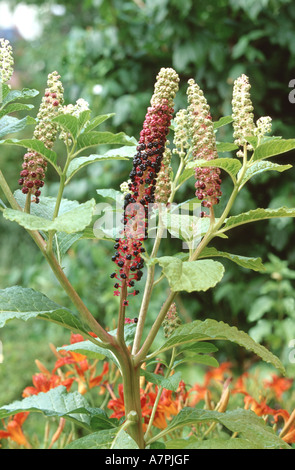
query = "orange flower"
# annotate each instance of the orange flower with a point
(117, 404)
(218, 373)
(279, 385)
(42, 383)
(81, 366)
(14, 429)
(240, 386)
(288, 431)
(261, 409)
(200, 394)
(167, 406)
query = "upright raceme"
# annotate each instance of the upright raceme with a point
(171, 321)
(203, 146)
(143, 177)
(163, 184)
(243, 116)
(34, 166)
(181, 133)
(6, 60)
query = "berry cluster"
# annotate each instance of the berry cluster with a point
(163, 187)
(33, 174)
(243, 116)
(204, 147)
(208, 186)
(6, 60)
(130, 263)
(171, 321)
(142, 184)
(34, 165)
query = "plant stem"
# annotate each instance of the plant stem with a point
(131, 388)
(158, 397)
(121, 318)
(234, 192)
(58, 202)
(8, 193)
(77, 301)
(140, 356)
(27, 208)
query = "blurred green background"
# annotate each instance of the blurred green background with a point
(109, 53)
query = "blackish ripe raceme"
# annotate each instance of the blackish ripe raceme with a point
(143, 178)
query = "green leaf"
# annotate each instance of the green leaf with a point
(94, 138)
(68, 123)
(169, 383)
(223, 121)
(260, 167)
(107, 439)
(259, 307)
(80, 162)
(110, 193)
(37, 145)
(73, 221)
(94, 351)
(89, 349)
(58, 402)
(23, 303)
(203, 359)
(213, 330)
(95, 122)
(272, 148)
(191, 276)
(62, 241)
(230, 165)
(12, 108)
(83, 119)
(185, 227)
(18, 94)
(256, 215)
(198, 348)
(226, 147)
(245, 422)
(4, 90)
(11, 125)
(249, 263)
(214, 444)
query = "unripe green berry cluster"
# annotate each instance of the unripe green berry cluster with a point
(171, 321)
(6, 60)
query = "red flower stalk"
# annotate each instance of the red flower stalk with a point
(204, 146)
(34, 165)
(146, 166)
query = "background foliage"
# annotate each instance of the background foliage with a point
(109, 53)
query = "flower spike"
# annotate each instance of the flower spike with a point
(243, 117)
(34, 166)
(6, 60)
(203, 145)
(143, 178)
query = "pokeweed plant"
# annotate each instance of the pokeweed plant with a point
(55, 223)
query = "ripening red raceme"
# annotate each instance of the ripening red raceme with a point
(204, 146)
(143, 177)
(34, 165)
